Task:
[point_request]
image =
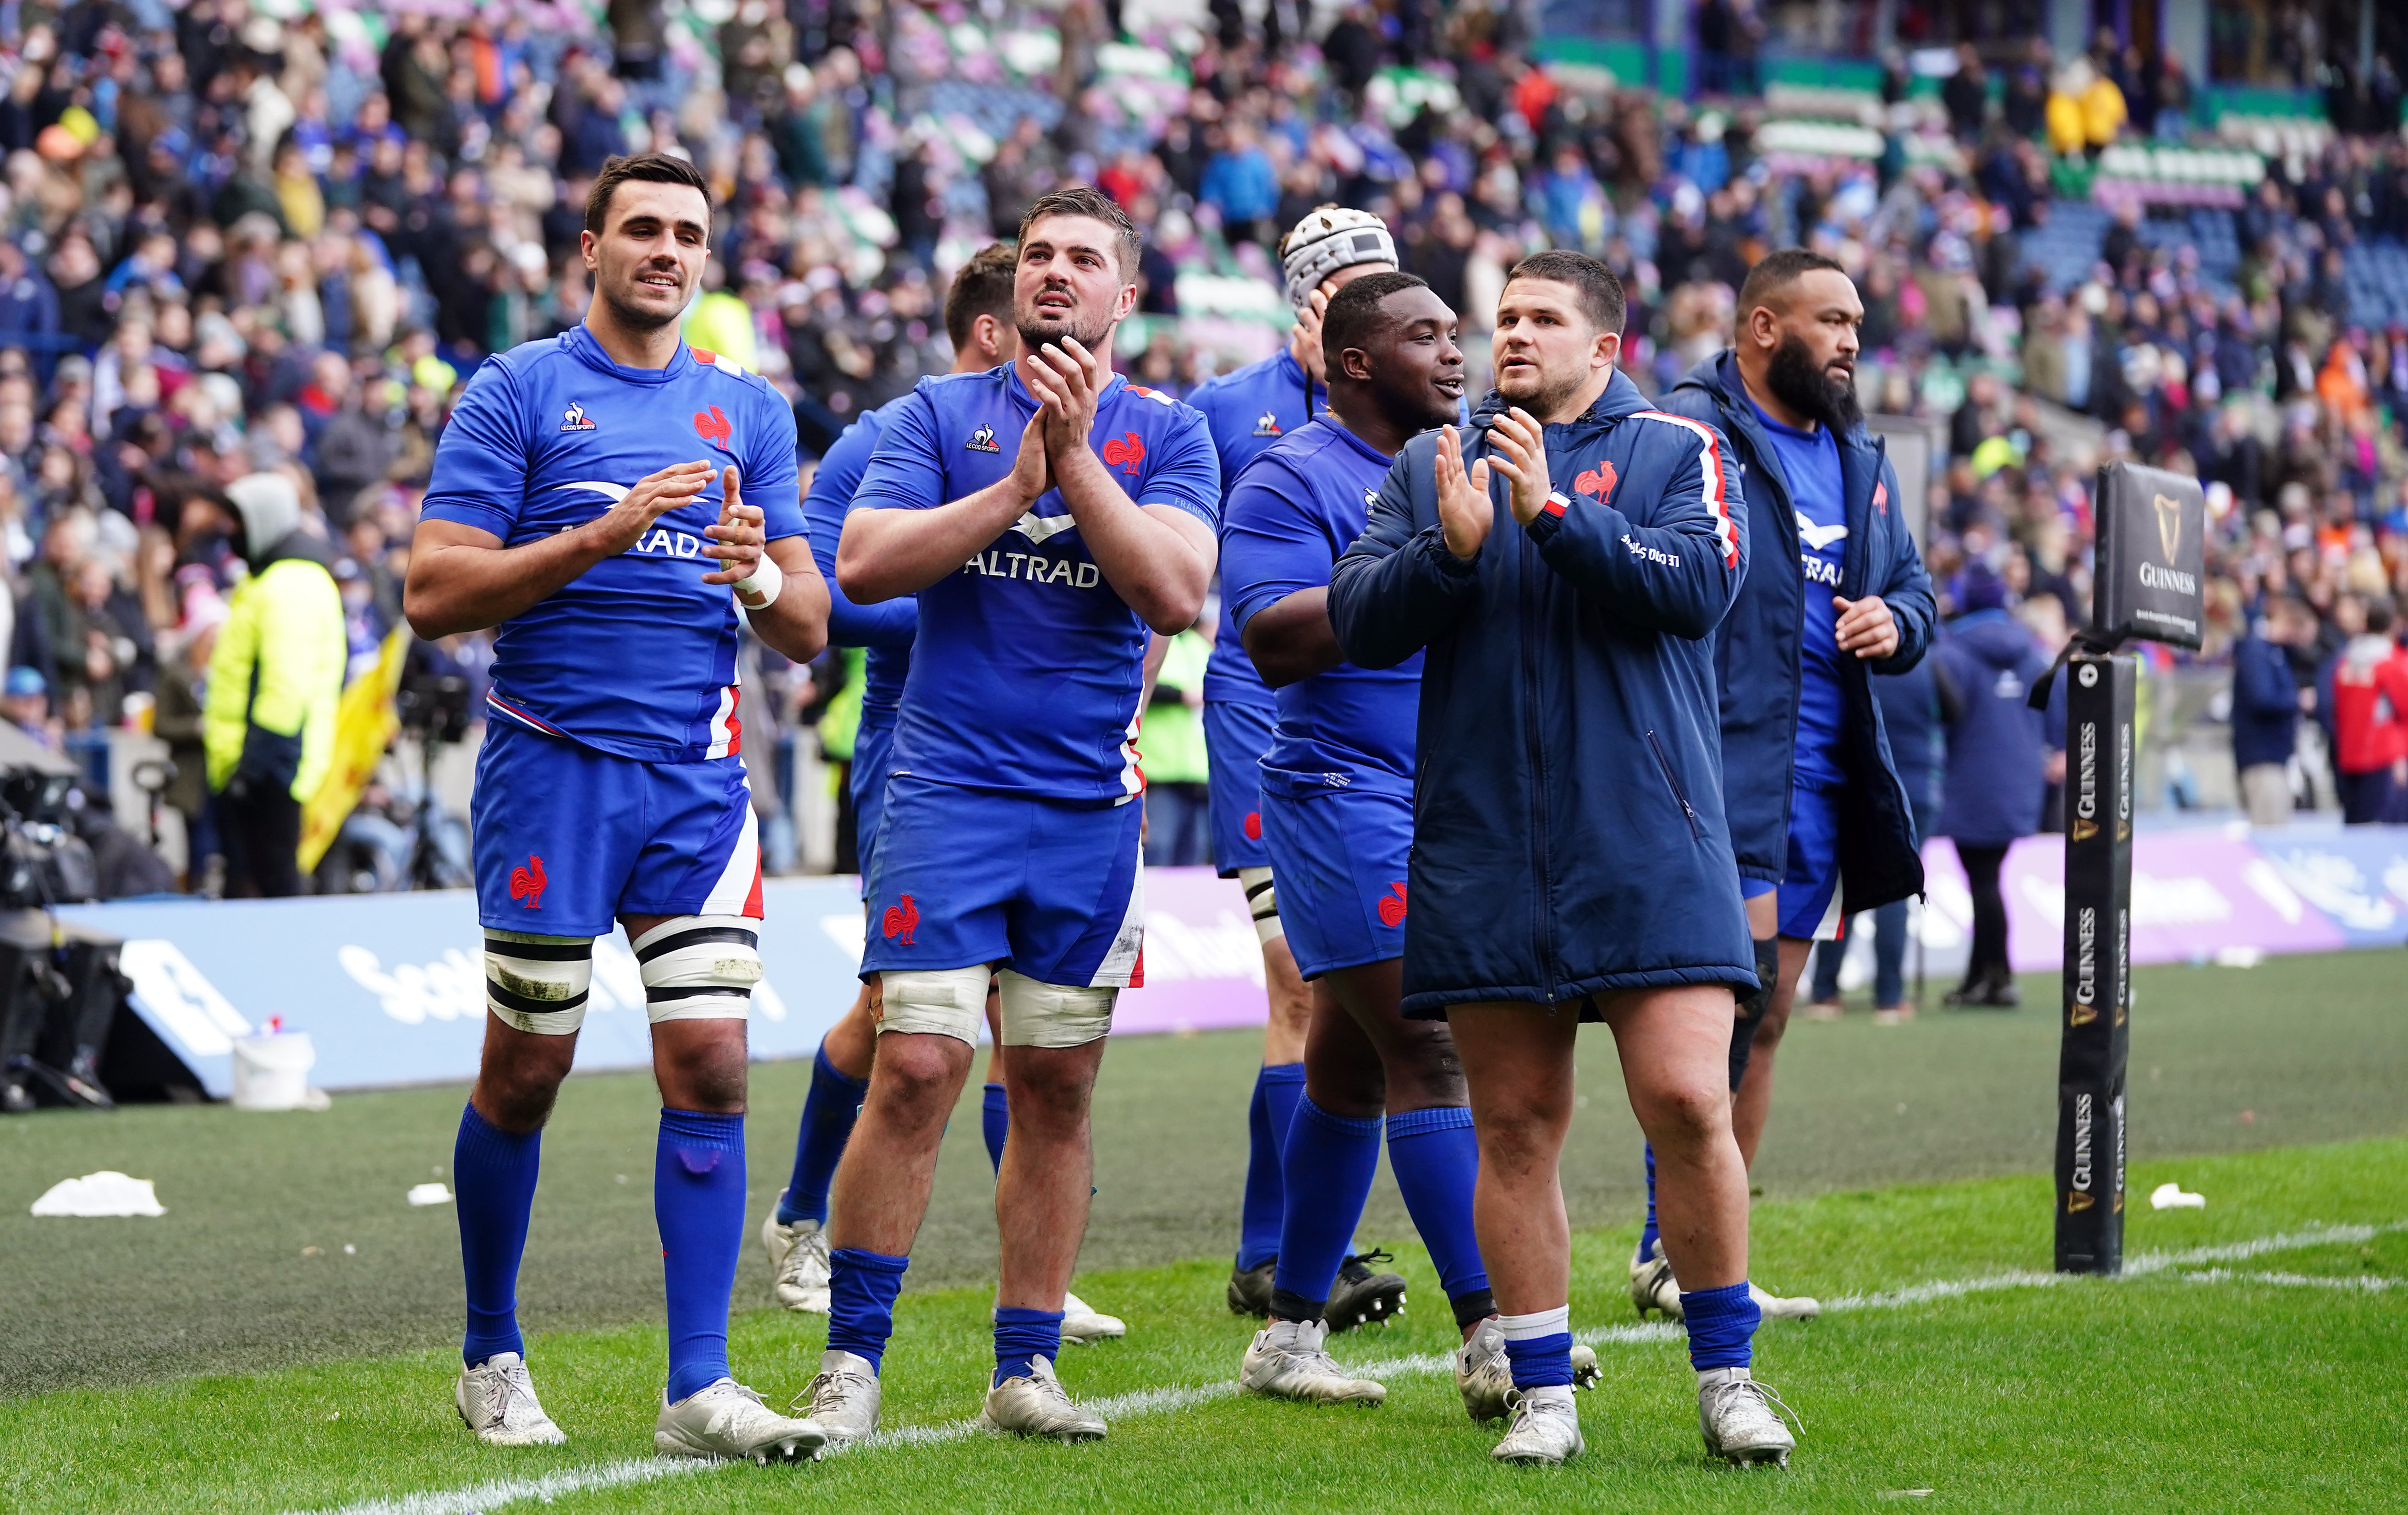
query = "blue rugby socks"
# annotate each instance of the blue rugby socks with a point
(1020, 1334)
(861, 1287)
(1277, 1088)
(829, 1114)
(994, 1120)
(699, 1204)
(1721, 1326)
(1435, 1159)
(1327, 1164)
(494, 1174)
(1647, 1234)
(1539, 1346)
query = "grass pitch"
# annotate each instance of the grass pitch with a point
(2251, 1358)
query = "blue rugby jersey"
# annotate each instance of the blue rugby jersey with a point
(1810, 465)
(885, 629)
(637, 655)
(1248, 409)
(1301, 505)
(1027, 666)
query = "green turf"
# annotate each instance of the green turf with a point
(2157, 1391)
(2304, 1048)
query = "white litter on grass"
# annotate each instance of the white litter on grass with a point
(480, 1498)
(2239, 957)
(429, 1194)
(106, 1193)
(2173, 1196)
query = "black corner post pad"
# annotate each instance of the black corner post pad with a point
(2095, 1046)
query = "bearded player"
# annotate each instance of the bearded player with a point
(1047, 514)
(1249, 411)
(610, 498)
(978, 321)
(1820, 825)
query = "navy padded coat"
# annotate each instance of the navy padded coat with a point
(1757, 653)
(1568, 814)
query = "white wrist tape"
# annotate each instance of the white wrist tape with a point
(759, 590)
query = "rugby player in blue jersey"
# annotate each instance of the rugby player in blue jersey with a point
(610, 498)
(1337, 802)
(1047, 514)
(977, 321)
(1249, 411)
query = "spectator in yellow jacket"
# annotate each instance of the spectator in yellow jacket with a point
(275, 680)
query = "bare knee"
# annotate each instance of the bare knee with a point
(1049, 1089)
(516, 1093)
(1421, 1067)
(1683, 1116)
(916, 1075)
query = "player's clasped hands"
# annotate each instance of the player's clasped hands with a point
(1520, 446)
(1865, 626)
(1068, 381)
(1465, 513)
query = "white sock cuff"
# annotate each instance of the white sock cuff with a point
(1545, 1322)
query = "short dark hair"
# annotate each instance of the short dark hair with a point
(1353, 317)
(643, 167)
(1776, 271)
(981, 287)
(1087, 200)
(1600, 292)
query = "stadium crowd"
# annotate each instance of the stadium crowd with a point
(236, 244)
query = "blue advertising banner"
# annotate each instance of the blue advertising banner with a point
(2357, 875)
(391, 987)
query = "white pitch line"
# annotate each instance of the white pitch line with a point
(479, 1498)
(2355, 1283)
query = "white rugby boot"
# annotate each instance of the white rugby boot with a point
(1545, 1428)
(1484, 1373)
(843, 1400)
(1483, 1376)
(1037, 1404)
(1083, 1325)
(1287, 1361)
(1741, 1419)
(798, 1262)
(1652, 1286)
(1789, 1307)
(726, 1419)
(497, 1398)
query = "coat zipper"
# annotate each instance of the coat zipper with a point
(1696, 832)
(1541, 937)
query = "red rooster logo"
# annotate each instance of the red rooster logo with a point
(713, 427)
(528, 883)
(1392, 906)
(1254, 825)
(900, 921)
(1125, 451)
(1598, 481)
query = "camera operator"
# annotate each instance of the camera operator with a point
(274, 679)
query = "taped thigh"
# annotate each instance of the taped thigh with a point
(1263, 900)
(539, 984)
(941, 1002)
(1038, 1014)
(699, 968)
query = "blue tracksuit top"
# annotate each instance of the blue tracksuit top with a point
(1756, 652)
(1567, 815)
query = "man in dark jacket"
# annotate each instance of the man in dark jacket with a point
(1570, 856)
(2000, 763)
(1836, 591)
(2265, 708)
